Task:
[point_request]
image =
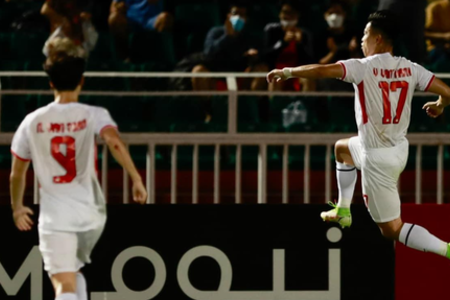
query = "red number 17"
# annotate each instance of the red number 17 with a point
(386, 89)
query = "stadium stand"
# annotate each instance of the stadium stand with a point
(154, 52)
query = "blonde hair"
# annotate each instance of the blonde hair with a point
(62, 47)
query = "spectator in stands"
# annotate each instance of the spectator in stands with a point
(286, 45)
(138, 15)
(410, 17)
(437, 30)
(230, 48)
(72, 19)
(341, 40)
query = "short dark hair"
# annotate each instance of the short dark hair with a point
(65, 72)
(384, 21)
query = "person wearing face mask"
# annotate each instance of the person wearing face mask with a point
(341, 41)
(286, 44)
(229, 48)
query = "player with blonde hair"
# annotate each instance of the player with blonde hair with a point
(60, 140)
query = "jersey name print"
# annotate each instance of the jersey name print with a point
(60, 140)
(61, 127)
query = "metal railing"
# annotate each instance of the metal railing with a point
(232, 91)
(233, 138)
(263, 141)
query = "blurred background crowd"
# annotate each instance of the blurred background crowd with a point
(202, 36)
(216, 36)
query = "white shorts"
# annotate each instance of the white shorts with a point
(380, 170)
(64, 251)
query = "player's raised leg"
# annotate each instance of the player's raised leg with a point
(414, 236)
(380, 173)
(65, 285)
(346, 180)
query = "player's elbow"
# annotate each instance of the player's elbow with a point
(113, 142)
(446, 93)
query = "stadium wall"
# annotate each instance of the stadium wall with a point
(215, 252)
(419, 275)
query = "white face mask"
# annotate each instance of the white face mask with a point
(335, 20)
(286, 23)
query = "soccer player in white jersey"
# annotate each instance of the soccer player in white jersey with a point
(60, 140)
(384, 87)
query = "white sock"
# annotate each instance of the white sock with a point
(81, 287)
(417, 237)
(346, 180)
(67, 296)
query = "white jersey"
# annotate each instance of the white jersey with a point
(60, 140)
(384, 87)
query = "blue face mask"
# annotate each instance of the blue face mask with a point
(237, 22)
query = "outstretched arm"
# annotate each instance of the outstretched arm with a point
(435, 108)
(308, 71)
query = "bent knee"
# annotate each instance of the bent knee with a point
(341, 149)
(64, 282)
(391, 230)
(390, 234)
(200, 69)
(66, 286)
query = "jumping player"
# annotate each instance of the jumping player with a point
(384, 87)
(60, 140)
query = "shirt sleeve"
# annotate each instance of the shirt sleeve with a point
(423, 77)
(103, 120)
(20, 146)
(354, 70)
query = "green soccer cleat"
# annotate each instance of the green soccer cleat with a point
(339, 215)
(448, 250)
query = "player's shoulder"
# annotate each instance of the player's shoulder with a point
(76, 106)
(95, 110)
(381, 58)
(388, 60)
(37, 113)
(410, 63)
(90, 109)
(362, 61)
